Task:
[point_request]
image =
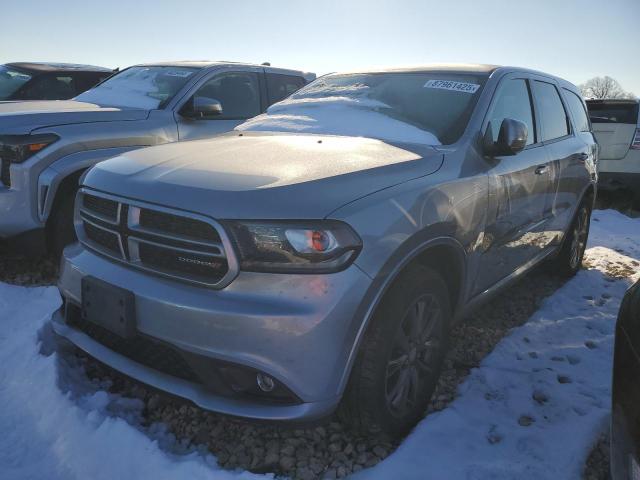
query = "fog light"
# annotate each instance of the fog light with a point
(265, 382)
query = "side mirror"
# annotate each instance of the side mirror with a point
(202, 108)
(512, 138)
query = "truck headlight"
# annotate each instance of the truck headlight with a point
(322, 246)
(18, 148)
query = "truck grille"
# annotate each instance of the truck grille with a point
(169, 243)
(101, 206)
(5, 175)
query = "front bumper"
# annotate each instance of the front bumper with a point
(17, 208)
(299, 329)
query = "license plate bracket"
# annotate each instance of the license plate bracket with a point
(109, 306)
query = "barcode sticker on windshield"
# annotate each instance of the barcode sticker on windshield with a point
(451, 85)
(178, 73)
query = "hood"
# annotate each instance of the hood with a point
(26, 116)
(262, 176)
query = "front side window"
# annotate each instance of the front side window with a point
(513, 101)
(11, 81)
(415, 107)
(577, 111)
(237, 92)
(281, 86)
(147, 87)
(552, 114)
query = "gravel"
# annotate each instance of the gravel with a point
(30, 272)
(597, 466)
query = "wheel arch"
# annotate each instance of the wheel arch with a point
(438, 253)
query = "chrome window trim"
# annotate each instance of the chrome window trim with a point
(226, 248)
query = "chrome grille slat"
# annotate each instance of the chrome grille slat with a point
(135, 226)
(202, 261)
(178, 249)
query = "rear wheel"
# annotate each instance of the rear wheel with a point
(399, 362)
(569, 260)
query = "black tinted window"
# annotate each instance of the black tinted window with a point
(613, 112)
(552, 114)
(86, 81)
(50, 87)
(238, 93)
(577, 111)
(281, 86)
(514, 102)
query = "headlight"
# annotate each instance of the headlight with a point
(323, 246)
(18, 148)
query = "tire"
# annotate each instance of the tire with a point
(60, 228)
(569, 259)
(396, 370)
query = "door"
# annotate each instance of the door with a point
(518, 185)
(570, 146)
(239, 96)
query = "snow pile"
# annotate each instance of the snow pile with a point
(337, 110)
(539, 401)
(84, 433)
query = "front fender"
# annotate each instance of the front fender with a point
(52, 177)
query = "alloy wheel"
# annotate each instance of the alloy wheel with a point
(579, 238)
(418, 342)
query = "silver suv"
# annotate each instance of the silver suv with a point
(46, 145)
(319, 255)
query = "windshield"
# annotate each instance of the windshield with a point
(139, 87)
(10, 81)
(423, 107)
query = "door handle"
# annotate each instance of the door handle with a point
(542, 169)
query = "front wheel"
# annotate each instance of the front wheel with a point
(569, 259)
(399, 362)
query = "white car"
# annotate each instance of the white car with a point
(616, 125)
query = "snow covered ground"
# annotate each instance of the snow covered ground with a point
(532, 410)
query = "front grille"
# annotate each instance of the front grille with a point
(141, 350)
(177, 225)
(5, 175)
(198, 265)
(101, 206)
(102, 237)
(173, 244)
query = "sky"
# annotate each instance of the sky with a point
(574, 39)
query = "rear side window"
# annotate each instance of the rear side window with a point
(50, 87)
(281, 86)
(577, 111)
(552, 114)
(513, 102)
(614, 112)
